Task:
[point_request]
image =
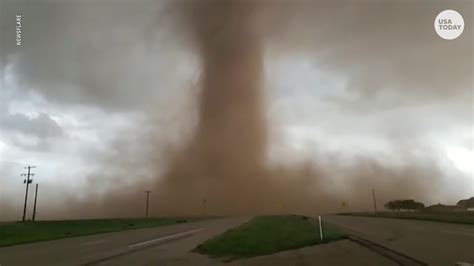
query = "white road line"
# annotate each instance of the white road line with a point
(160, 239)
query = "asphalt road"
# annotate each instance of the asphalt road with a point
(121, 248)
(434, 243)
(430, 242)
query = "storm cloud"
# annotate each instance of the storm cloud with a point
(349, 95)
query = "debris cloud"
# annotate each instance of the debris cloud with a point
(397, 90)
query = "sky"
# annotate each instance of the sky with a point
(101, 92)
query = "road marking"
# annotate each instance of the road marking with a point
(160, 239)
(136, 247)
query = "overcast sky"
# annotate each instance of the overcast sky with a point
(93, 84)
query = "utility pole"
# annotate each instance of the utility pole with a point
(375, 202)
(34, 206)
(27, 181)
(204, 202)
(320, 228)
(147, 198)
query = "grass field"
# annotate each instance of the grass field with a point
(18, 232)
(266, 235)
(446, 217)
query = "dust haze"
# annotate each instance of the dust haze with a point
(223, 168)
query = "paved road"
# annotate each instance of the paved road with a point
(120, 248)
(172, 245)
(431, 242)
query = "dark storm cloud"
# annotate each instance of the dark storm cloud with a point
(130, 56)
(93, 53)
(388, 52)
(126, 55)
(41, 126)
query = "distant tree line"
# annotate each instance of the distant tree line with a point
(466, 203)
(409, 204)
(404, 205)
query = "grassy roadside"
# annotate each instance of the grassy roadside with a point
(19, 233)
(445, 217)
(266, 235)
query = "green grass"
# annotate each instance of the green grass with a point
(266, 235)
(446, 217)
(19, 233)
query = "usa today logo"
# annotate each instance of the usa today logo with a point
(449, 24)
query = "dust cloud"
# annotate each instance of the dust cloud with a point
(223, 168)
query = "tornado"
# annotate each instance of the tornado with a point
(222, 166)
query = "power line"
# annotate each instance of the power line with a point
(27, 181)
